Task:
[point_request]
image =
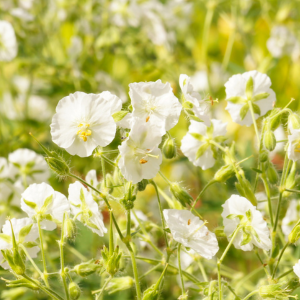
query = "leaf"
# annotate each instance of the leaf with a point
(47, 202)
(24, 232)
(260, 96)
(244, 110)
(249, 88)
(187, 104)
(82, 198)
(119, 115)
(256, 109)
(256, 170)
(246, 238)
(5, 237)
(197, 136)
(233, 216)
(194, 118)
(236, 100)
(167, 230)
(29, 203)
(201, 150)
(30, 244)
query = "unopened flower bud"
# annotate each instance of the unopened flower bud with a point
(269, 140)
(272, 174)
(224, 173)
(291, 180)
(273, 291)
(275, 122)
(118, 284)
(295, 234)
(70, 228)
(245, 189)
(293, 121)
(263, 156)
(58, 165)
(180, 194)
(129, 197)
(74, 291)
(111, 261)
(87, 268)
(142, 185)
(169, 148)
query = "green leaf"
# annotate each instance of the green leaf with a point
(189, 111)
(5, 237)
(197, 136)
(82, 198)
(119, 115)
(194, 118)
(236, 100)
(187, 104)
(233, 216)
(30, 244)
(260, 96)
(249, 215)
(29, 203)
(256, 109)
(201, 150)
(24, 232)
(167, 230)
(30, 165)
(249, 88)
(210, 130)
(244, 110)
(256, 170)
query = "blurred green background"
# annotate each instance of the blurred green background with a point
(96, 45)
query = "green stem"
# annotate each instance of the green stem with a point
(207, 24)
(103, 170)
(62, 258)
(267, 189)
(111, 235)
(292, 191)
(161, 212)
(136, 276)
(251, 294)
(279, 258)
(247, 277)
(202, 191)
(222, 258)
(285, 273)
(108, 160)
(103, 288)
(180, 271)
(48, 291)
(150, 271)
(202, 270)
(45, 276)
(254, 123)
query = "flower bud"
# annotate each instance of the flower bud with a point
(224, 173)
(272, 174)
(293, 284)
(58, 165)
(70, 228)
(74, 291)
(275, 122)
(169, 148)
(180, 194)
(111, 261)
(129, 197)
(269, 140)
(263, 156)
(87, 268)
(293, 121)
(142, 185)
(291, 180)
(294, 234)
(23, 282)
(245, 189)
(118, 284)
(272, 291)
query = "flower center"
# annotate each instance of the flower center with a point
(150, 107)
(83, 131)
(144, 154)
(297, 146)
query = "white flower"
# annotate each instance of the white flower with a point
(155, 103)
(85, 208)
(196, 143)
(21, 238)
(140, 155)
(41, 202)
(260, 94)
(282, 41)
(296, 268)
(91, 178)
(82, 122)
(31, 166)
(8, 42)
(191, 232)
(200, 107)
(126, 122)
(253, 231)
(261, 198)
(7, 170)
(292, 216)
(294, 145)
(279, 135)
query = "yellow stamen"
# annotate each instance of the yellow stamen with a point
(143, 161)
(147, 119)
(189, 221)
(297, 148)
(84, 132)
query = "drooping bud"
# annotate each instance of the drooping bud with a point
(263, 156)
(142, 185)
(118, 284)
(70, 228)
(111, 261)
(88, 268)
(224, 173)
(275, 119)
(169, 148)
(272, 174)
(269, 140)
(293, 121)
(180, 194)
(74, 291)
(129, 196)
(58, 165)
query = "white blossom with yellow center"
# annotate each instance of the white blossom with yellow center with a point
(84, 121)
(155, 103)
(140, 155)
